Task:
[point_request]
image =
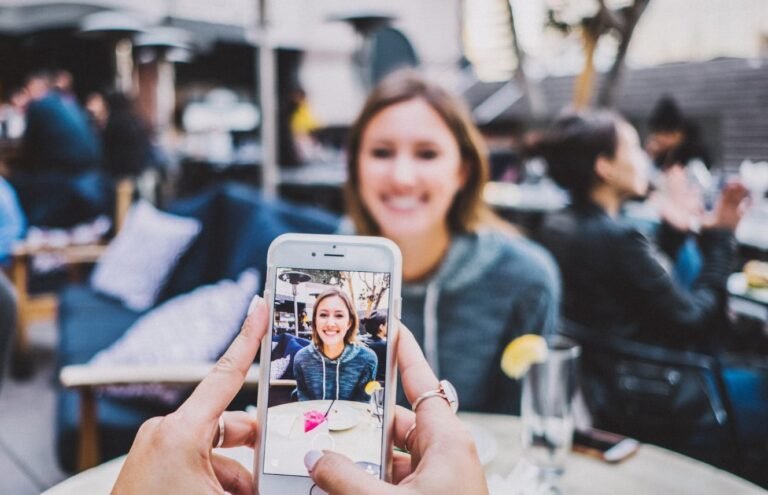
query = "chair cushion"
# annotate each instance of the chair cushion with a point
(238, 227)
(137, 262)
(89, 322)
(191, 328)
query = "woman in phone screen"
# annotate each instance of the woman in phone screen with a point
(334, 365)
(416, 168)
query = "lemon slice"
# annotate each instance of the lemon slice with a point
(521, 353)
(372, 386)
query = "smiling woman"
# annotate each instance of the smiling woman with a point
(417, 167)
(334, 365)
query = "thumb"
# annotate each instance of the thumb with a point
(338, 475)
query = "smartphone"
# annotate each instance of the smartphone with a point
(327, 372)
(609, 447)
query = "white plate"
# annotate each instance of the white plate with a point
(487, 447)
(341, 417)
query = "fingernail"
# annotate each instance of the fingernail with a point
(254, 303)
(311, 458)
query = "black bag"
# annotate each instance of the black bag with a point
(655, 394)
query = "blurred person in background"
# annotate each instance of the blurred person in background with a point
(7, 321)
(126, 138)
(417, 167)
(57, 136)
(57, 175)
(12, 221)
(615, 278)
(97, 111)
(682, 177)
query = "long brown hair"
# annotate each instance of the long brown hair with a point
(468, 210)
(351, 334)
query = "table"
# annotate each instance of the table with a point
(287, 442)
(745, 300)
(651, 471)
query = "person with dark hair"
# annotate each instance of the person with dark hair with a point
(674, 144)
(416, 168)
(126, 138)
(334, 365)
(57, 137)
(376, 326)
(614, 278)
(673, 139)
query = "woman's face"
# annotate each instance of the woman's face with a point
(410, 170)
(333, 321)
(631, 163)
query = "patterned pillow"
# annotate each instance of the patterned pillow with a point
(191, 328)
(139, 259)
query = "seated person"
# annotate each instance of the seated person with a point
(416, 168)
(12, 220)
(334, 365)
(614, 277)
(376, 327)
(7, 320)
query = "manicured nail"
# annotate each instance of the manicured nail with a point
(311, 458)
(254, 303)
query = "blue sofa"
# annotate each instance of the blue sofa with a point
(238, 226)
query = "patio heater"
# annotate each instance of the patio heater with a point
(364, 24)
(165, 45)
(117, 28)
(295, 278)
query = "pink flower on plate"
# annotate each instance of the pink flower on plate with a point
(313, 419)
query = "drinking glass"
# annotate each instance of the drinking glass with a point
(549, 389)
(377, 404)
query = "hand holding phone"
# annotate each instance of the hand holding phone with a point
(327, 366)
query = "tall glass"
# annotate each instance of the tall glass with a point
(549, 389)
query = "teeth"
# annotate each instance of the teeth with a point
(404, 203)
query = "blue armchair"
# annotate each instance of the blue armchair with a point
(237, 227)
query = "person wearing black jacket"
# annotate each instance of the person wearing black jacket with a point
(615, 278)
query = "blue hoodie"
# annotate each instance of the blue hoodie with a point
(490, 288)
(343, 378)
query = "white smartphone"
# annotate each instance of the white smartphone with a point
(327, 377)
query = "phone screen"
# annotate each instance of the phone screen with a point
(327, 368)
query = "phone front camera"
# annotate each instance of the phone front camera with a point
(313, 254)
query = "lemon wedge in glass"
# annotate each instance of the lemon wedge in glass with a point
(372, 386)
(521, 353)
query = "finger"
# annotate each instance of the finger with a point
(401, 467)
(416, 375)
(336, 474)
(240, 429)
(232, 476)
(217, 390)
(404, 418)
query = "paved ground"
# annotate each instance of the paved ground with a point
(27, 461)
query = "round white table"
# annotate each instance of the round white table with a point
(351, 429)
(651, 471)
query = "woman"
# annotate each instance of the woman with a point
(334, 365)
(614, 279)
(417, 168)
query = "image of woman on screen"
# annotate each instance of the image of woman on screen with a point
(334, 365)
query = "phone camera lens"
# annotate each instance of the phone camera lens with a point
(313, 254)
(334, 246)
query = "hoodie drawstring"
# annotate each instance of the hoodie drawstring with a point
(338, 365)
(430, 325)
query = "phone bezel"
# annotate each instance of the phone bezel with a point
(349, 253)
